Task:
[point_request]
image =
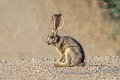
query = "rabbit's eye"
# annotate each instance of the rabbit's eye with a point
(52, 37)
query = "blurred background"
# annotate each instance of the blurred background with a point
(25, 25)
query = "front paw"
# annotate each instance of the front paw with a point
(56, 64)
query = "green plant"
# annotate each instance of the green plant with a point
(114, 9)
(113, 6)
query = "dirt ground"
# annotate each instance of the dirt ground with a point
(96, 68)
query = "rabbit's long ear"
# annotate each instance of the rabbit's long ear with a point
(58, 21)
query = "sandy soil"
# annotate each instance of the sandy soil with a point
(96, 68)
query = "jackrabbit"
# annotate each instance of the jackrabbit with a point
(67, 47)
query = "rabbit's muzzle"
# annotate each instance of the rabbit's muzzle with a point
(48, 42)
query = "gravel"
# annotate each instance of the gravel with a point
(96, 68)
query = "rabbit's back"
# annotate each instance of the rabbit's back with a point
(70, 42)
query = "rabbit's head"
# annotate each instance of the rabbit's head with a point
(57, 22)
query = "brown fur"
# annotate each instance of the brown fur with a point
(68, 48)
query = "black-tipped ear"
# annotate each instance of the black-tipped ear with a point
(57, 21)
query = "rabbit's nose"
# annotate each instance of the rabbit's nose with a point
(48, 43)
